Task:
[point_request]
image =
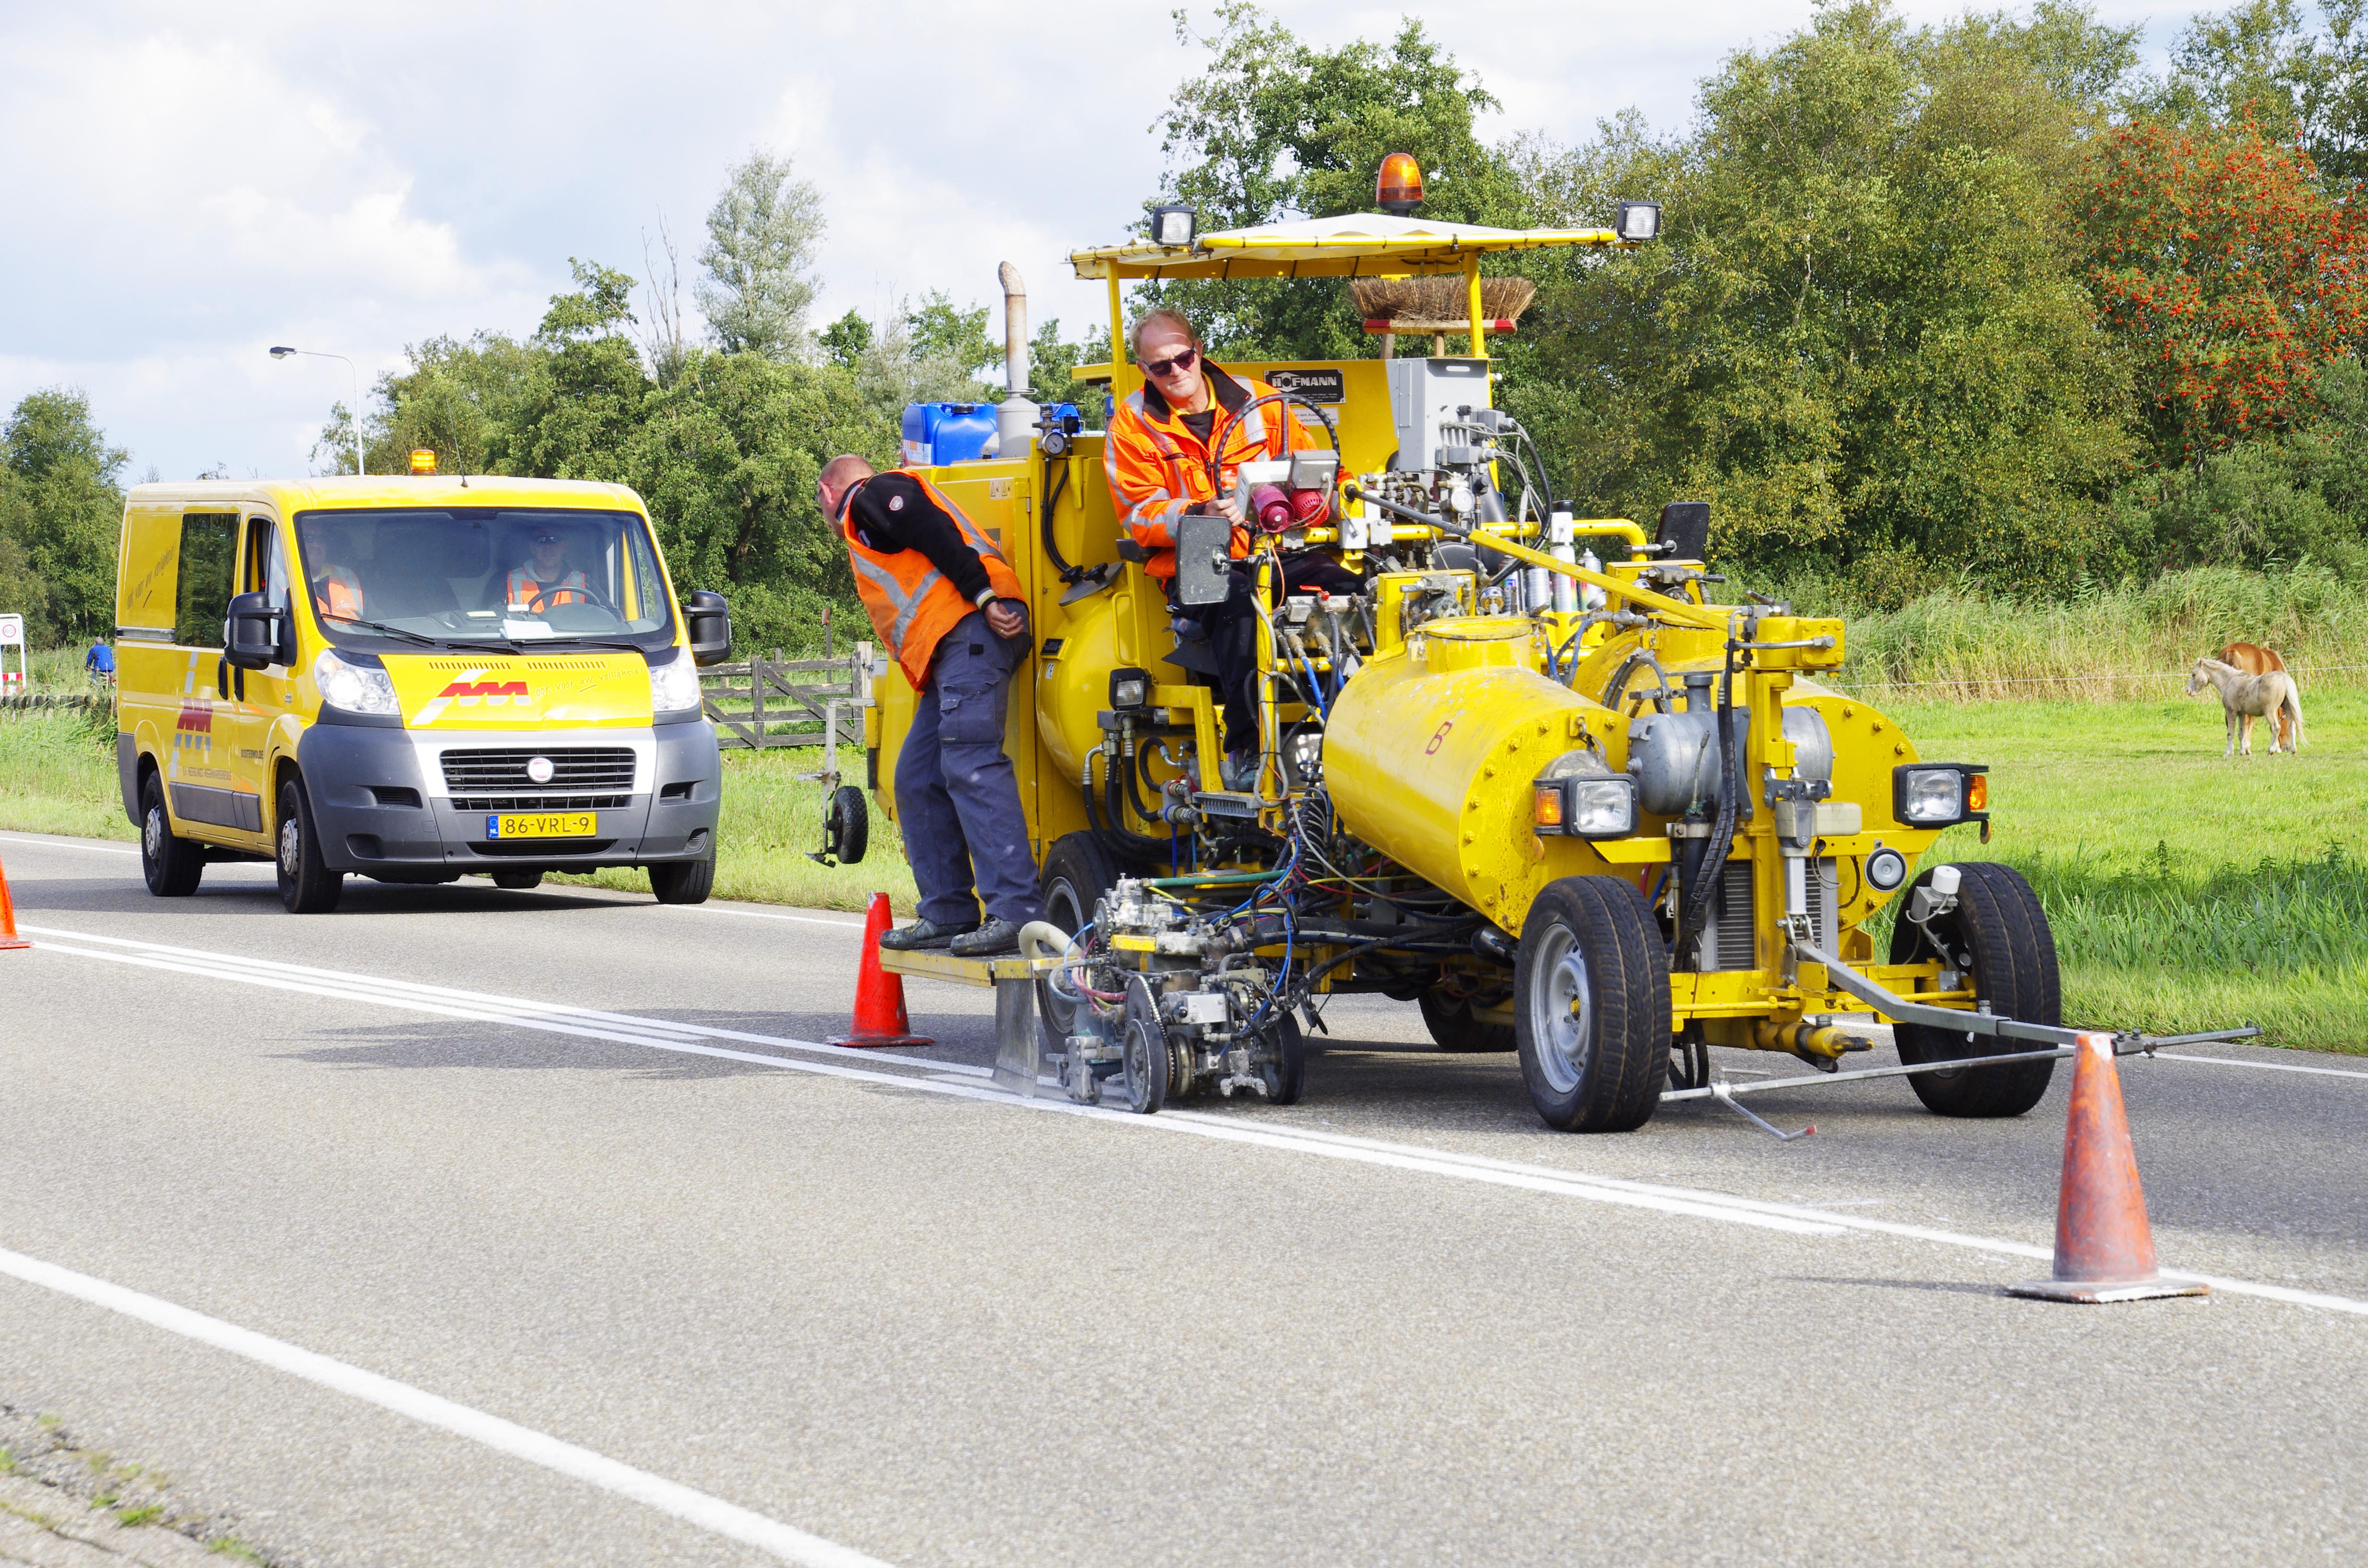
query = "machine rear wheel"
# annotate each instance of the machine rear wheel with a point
(1997, 936)
(1591, 1005)
(171, 866)
(1076, 874)
(1454, 1028)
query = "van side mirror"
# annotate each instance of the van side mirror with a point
(708, 620)
(254, 634)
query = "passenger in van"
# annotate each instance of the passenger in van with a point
(543, 579)
(1157, 457)
(336, 588)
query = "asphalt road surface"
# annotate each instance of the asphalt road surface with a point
(470, 1226)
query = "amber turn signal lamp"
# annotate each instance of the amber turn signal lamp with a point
(1977, 793)
(1549, 804)
(1399, 189)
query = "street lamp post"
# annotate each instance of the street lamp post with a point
(283, 352)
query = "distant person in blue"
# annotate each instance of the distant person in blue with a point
(99, 663)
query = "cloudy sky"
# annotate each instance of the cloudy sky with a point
(191, 184)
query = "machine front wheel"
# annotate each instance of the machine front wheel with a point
(1453, 1029)
(1997, 937)
(1285, 1069)
(1591, 1005)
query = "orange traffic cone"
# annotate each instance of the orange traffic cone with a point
(2104, 1248)
(8, 937)
(879, 996)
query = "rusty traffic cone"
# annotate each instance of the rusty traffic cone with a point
(2104, 1248)
(879, 996)
(8, 937)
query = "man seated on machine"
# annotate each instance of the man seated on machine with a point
(1158, 459)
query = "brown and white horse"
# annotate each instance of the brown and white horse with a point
(2256, 660)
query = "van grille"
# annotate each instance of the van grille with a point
(573, 767)
(539, 802)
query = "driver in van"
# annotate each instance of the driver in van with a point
(1157, 457)
(543, 579)
(337, 589)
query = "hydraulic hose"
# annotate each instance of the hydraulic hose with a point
(1121, 844)
(1052, 487)
(1712, 876)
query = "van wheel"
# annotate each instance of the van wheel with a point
(307, 886)
(1591, 1005)
(517, 881)
(172, 866)
(1997, 936)
(684, 882)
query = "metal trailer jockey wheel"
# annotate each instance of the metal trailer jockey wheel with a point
(1997, 941)
(1145, 1060)
(1591, 1005)
(845, 827)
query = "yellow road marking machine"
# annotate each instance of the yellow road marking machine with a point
(1562, 800)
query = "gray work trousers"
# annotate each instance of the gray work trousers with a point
(957, 798)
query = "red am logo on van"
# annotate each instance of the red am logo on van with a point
(468, 693)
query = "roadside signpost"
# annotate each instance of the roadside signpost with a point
(12, 634)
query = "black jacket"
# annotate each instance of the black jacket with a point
(889, 511)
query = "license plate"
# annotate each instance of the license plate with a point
(542, 824)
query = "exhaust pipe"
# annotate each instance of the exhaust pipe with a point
(1015, 417)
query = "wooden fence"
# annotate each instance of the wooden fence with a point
(788, 702)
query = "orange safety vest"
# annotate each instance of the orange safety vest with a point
(911, 603)
(339, 594)
(1158, 467)
(524, 585)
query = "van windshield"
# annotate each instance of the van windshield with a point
(466, 575)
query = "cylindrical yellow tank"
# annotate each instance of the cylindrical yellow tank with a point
(1429, 755)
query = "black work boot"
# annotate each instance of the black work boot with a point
(995, 939)
(923, 933)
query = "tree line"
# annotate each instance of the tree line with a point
(1975, 303)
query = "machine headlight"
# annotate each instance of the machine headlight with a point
(357, 688)
(1129, 689)
(1885, 869)
(1584, 807)
(1637, 222)
(1174, 226)
(674, 684)
(1939, 794)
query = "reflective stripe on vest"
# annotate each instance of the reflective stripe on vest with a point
(906, 605)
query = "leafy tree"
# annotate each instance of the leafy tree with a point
(1862, 338)
(62, 509)
(2229, 272)
(761, 236)
(844, 340)
(1051, 358)
(2262, 62)
(1270, 129)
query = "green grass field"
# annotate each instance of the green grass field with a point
(2186, 891)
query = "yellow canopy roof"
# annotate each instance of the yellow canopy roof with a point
(1355, 244)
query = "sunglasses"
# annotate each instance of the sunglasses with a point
(1165, 367)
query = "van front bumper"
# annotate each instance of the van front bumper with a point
(383, 804)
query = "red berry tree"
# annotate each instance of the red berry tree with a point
(2232, 274)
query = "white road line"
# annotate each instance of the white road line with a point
(729, 1520)
(2264, 1066)
(53, 844)
(626, 1029)
(768, 914)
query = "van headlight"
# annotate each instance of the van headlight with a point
(674, 685)
(355, 688)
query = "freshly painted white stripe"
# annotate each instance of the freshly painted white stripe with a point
(2264, 1066)
(767, 914)
(1794, 1219)
(708, 1513)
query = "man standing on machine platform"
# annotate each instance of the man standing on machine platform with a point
(1157, 460)
(947, 605)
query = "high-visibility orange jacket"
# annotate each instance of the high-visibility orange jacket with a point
(524, 585)
(1158, 469)
(338, 593)
(911, 602)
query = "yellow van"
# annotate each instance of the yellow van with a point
(411, 679)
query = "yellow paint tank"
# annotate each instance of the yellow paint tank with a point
(1429, 752)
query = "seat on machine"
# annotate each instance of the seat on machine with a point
(1192, 651)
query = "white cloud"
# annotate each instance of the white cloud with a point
(191, 186)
